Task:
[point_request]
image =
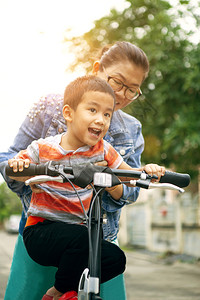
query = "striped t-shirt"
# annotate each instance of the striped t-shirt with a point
(59, 201)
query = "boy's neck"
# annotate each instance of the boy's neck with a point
(67, 143)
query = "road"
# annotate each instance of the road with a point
(146, 277)
(7, 244)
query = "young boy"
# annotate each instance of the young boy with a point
(54, 234)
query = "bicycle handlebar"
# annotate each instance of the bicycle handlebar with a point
(53, 169)
(40, 169)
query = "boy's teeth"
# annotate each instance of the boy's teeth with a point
(95, 131)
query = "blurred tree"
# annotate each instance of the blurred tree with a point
(168, 108)
(9, 202)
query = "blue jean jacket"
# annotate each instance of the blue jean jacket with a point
(45, 119)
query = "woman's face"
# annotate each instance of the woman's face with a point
(128, 73)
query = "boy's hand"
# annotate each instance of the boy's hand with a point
(18, 165)
(35, 189)
(154, 169)
(102, 163)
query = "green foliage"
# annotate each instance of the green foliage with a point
(169, 108)
(9, 202)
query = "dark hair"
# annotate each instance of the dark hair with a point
(77, 88)
(122, 51)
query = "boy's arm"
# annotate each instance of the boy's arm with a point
(115, 191)
(151, 169)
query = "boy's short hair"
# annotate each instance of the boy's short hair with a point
(76, 89)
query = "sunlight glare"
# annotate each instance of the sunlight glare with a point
(33, 58)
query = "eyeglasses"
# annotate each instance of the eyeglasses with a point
(117, 85)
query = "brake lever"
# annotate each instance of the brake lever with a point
(147, 184)
(168, 186)
(45, 178)
(143, 183)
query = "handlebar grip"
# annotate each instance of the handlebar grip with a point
(32, 170)
(179, 179)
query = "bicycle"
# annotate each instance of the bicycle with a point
(98, 178)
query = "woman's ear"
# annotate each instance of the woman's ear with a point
(67, 113)
(95, 68)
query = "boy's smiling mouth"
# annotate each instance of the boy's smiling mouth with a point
(95, 131)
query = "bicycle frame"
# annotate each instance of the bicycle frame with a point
(89, 286)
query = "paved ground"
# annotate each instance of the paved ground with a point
(7, 243)
(147, 277)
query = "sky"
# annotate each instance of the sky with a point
(33, 58)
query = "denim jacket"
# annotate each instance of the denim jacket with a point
(45, 119)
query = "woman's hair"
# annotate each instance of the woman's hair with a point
(76, 89)
(123, 51)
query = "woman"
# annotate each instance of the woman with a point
(125, 67)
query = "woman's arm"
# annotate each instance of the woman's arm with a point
(133, 143)
(28, 131)
(32, 128)
(35, 126)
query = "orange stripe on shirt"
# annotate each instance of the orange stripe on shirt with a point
(46, 201)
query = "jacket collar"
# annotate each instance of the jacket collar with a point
(117, 124)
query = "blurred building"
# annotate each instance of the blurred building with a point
(162, 220)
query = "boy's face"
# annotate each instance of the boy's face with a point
(91, 119)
